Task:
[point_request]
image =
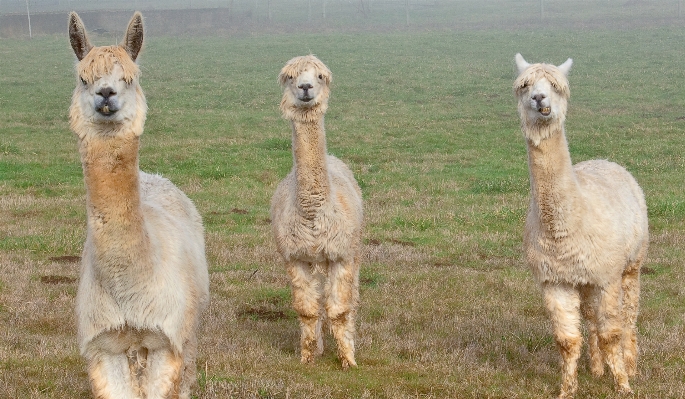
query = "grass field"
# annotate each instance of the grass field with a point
(428, 123)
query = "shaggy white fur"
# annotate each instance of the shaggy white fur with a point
(317, 216)
(586, 234)
(144, 279)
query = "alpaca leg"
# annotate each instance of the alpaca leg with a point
(189, 373)
(165, 370)
(306, 301)
(610, 327)
(342, 297)
(137, 363)
(631, 297)
(110, 376)
(319, 331)
(588, 307)
(563, 304)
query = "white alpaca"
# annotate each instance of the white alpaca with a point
(586, 234)
(144, 278)
(317, 215)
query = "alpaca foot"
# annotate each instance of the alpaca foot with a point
(597, 368)
(565, 395)
(307, 358)
(624, 389)
(631, 365)
(308, 351)
(346, 363)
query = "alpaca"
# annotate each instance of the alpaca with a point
(585, 237)
(316, 215)
(144, 279)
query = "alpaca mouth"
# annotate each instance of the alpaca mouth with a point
(106, 110)
(306, 99)
(545, 111)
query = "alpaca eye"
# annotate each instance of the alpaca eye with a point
(320, 76)
(83, 81)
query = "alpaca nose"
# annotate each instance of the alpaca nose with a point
(539, 97)
(106, 92)
(305, 86)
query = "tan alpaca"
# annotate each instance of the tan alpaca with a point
(316, 216)
(586, 234)
(144, 275)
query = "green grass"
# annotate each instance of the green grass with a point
(427, 121)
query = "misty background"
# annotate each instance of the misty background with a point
(22, 18)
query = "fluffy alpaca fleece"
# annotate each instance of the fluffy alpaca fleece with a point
(317, 217)
(144, 279)
(585, 237)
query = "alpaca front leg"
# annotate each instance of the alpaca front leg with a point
(189, 376)
(110, 376)
(563, 304)
(588, 307)
(164, 374)
(342, 291)
(610, 325)
(631, 297)
(306, 301)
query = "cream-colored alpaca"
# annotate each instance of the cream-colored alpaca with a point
(586, 234)
(144, 278)
(316, 216)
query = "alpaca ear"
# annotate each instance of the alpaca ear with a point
(133, 40)
(566, 66)
(77, 36)
(521, 64)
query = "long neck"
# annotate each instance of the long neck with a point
(554, 188)
(309, 152)
(115, 221)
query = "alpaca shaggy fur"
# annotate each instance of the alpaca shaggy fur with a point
(585, 237)
(144, 279)
(316, 216)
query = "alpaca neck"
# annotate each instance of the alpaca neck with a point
(115, 220)
(309, 153)
(554, 188)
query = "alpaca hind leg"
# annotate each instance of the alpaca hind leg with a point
(342, 291)
(588, 307)
(306, 301)
(610, 326)
(164, 373)
(110, 376)
(631, 297)
(319, 331)
(563, 304)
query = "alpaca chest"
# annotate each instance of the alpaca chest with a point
(324, 238)
(573, 261)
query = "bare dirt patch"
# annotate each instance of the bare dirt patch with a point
(65, 259)
(54, 279)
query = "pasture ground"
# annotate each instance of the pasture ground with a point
(427, 121)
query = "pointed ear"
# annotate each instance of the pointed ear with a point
(77, 36)
(521, 64)
(566, 66)
(133, 40)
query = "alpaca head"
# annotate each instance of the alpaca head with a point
(107, 93)
(306, 88)
(543, 93)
